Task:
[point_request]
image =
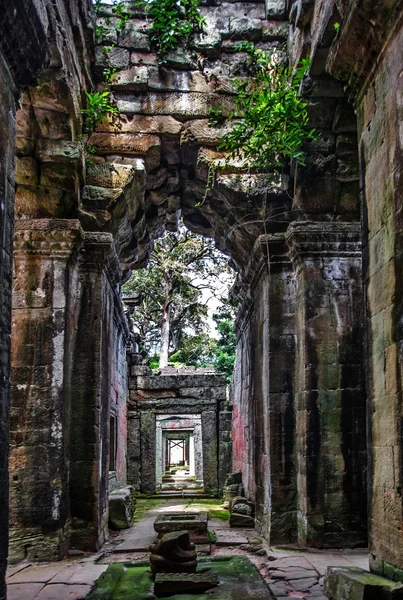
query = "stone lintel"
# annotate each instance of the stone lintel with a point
(47, 237)
(320, 240)
(365, 30)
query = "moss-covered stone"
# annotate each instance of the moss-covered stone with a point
(239, 580)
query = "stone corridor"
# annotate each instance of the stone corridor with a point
(312, 421)
(289, 573)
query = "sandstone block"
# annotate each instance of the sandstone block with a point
(146, 145)
(274, 31)
(238, 520)
(134, 36)
(43, 202)
(26, 171)
(244, 28)
(252, 10)
(120, 508)
(275, 9)
(144, 58)
(344, 118)
(110, 175)
(143, 124)
(180, 59)
(135, 78)
(114, 57)
(53, 124)
(208, 43)
(357, 584)
(94, 197)
(107, 34)
(182, 583)
(60, 175)
(59, 151)
(162, 79)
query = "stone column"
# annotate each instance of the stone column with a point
(91, 330)
(281, 366)
(39, 413)
(265, 373)
(330, 418)
(23, 53)
(209, 441)
(148, 448)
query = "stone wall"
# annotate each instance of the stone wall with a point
(377, 93)
(23, 54)
(187, 394)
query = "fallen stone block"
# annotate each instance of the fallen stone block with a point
(353, 583)
(120, 508)
(238, 520)
(180, 583)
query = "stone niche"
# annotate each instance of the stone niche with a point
(177, 407)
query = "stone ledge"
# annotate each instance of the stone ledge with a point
(357, 584)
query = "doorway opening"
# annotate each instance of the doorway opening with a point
(179, 453)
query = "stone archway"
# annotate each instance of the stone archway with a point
(294, 243)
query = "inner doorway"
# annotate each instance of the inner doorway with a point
(179, 453)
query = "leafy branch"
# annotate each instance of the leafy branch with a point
(173, 22)
(273, 123)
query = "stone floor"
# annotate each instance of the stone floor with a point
(289, 573)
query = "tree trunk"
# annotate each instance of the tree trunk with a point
(166, 320)
(165, 327)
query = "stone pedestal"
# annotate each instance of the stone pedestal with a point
(330, 417)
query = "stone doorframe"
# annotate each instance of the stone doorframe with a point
(179, 425)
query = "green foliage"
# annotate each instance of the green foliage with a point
(195, 350)
(100, 32)
(120, 11)
(181, 268)
(173, 22)
(110, 74)
(225, 347)
(274, 118)
(98, 107)
(216, 117)
(336, 26)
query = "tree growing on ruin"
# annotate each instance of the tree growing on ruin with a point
(183, 267)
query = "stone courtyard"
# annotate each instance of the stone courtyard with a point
(305, 445)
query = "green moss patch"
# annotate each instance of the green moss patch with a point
(238, 580)
(212, 506)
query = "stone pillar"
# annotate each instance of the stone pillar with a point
(281, 366)
(23, 53)
(147, 448)
(39, 413)
(264, 388)
(330, 418)
(7, 151)
(209, 442)
(91, 331)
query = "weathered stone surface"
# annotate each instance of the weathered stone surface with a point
(357, 584)
(168, 583)
(275, 9)
(173, 553)
(241, 520)
(120, 504)
(176, 104)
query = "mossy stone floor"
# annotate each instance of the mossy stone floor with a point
(239, 580)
